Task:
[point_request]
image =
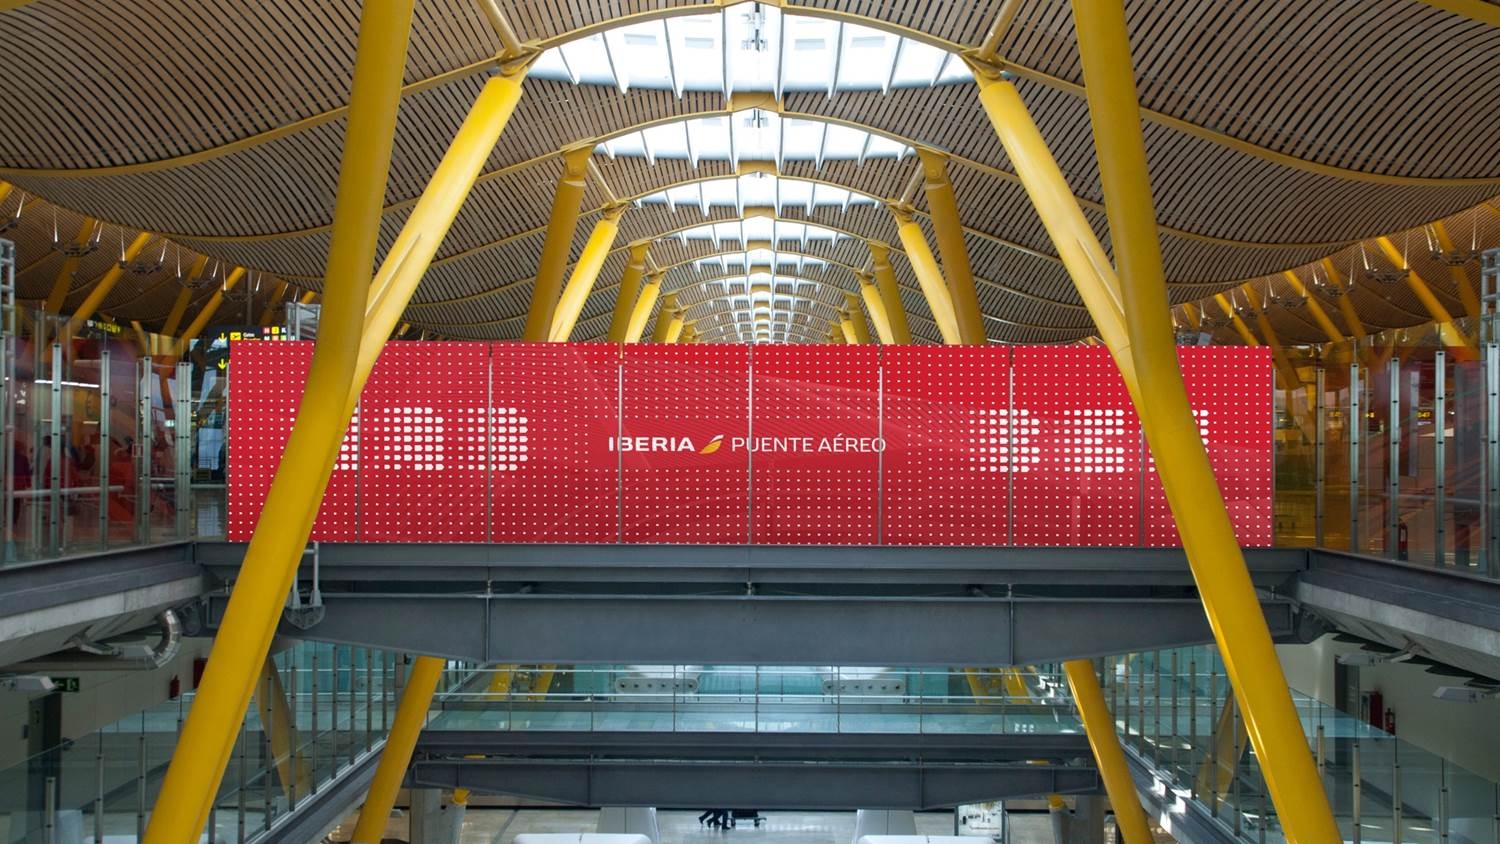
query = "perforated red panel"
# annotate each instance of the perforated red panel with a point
(683, 481)
(265, 388)
(815, 467)
(967, 439)
(906, 512)
(1078, 472)
(1230, 389)
(555, 408)
(425, 444)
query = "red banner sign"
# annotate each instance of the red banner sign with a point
(728, 444)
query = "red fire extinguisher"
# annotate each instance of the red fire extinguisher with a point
(1390, 721)
(174, 688)
(1401, 545)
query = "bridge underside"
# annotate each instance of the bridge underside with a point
(766, 771)
(761, 605)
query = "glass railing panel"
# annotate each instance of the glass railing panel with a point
(1373, 459)
(1464, 499)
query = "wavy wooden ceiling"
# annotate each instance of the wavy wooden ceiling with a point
(1278, 132)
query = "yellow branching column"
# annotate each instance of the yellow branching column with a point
(1452, 337)
(650, 292)
(558, 244)
(585, 273)
(890, 292)
(208, 310)
(675, 327)
(64, 281)
(630, 292)
(1099, 725)
(106, 283)
(270, 564)
(876, 306)
(664, 318)
(854, 316)
(1229, 597)
(925, 266)
(943, 204)
(184, 298)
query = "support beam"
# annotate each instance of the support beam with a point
(642, 310)
(1234, 318)
(675, 326)
(1460, 276)
(664, 318)
(629, 292)
(1289, 378)
(249, 623)
(1224, 585)
(64, 281)
(106, 283)
(269, 312)
(1099, 724)
(925, 266)
(854, 312)
(208, 310)
(1346, 305)
(547, 286)
(890, 292)
(184, 298)
(943, 204)
(1452, 337)
(1320, 316)
(876, 307)
(585, 273)
(411, 714)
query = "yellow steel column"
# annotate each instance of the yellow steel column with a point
(1463, 348)
(558, 244)
(664, 318)
(1346, 307)
(411, 714)
(270, 563)
(925, 266)
(184, 298)
(1461, 280)
(642, 310)
(106, 283)
(1099, 725)
(1289, 377)
(64, 281)
(1320, 316)
(585, 273)
(208, 310)
(890, 292)
(1228, 595)
(674, 328)
(630, 291)
(876, 306)
(856, 316)
(269, 311)
(943, 204)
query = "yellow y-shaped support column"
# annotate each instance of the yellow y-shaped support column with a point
(105, 284)
(62, 285)
(585, 273)
(642, 310)
(1224, 585)
(876, 307)
(924, 265)
(949, 229)
(855, 315)
(630, 291)
(558, 243)
(890, 292)
(664, 318)
(1099, 725)
(1454, 339)
(208, 310)
(411, 714)
(270, 564)
(184, 298)
(675, 327)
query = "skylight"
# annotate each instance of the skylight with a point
(759, 257)
(760, 306)
(757, 190)
(753, 135)
(778, 232)
(750, 47)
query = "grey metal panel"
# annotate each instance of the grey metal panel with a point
(761, 630)
(27, 588)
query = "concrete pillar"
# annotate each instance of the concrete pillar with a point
(628, 820)
(883, 822)
(425, 817)
(1086, 823)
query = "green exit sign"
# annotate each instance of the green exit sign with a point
(66, 684)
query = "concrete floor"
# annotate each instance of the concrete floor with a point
(501, 826)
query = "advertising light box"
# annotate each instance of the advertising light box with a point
(734, 444)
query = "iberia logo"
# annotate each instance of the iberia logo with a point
(713, 445)
(664, 444)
